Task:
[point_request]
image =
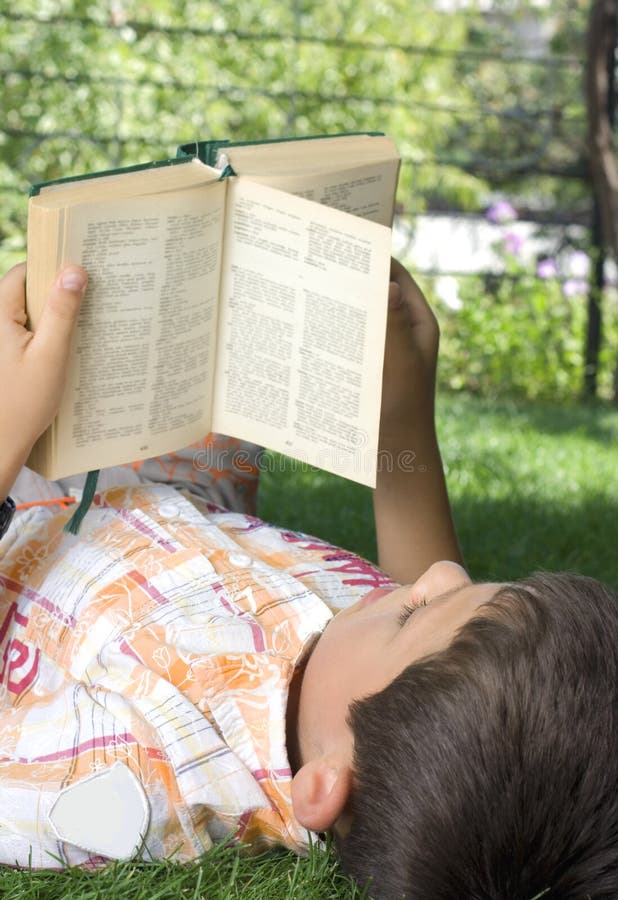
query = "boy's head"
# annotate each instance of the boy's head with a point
(485, 765)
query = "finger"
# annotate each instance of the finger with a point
(420, 312)
(397, 322)
(53, 333)
(395, 298)
(13, 295)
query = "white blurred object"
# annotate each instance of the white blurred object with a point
(447, 290)
(579, 265)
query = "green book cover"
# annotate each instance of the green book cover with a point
(35, 189)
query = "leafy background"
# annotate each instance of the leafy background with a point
(482, 102)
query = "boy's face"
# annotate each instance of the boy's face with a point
(367, 645)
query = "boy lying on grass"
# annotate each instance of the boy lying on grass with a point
(176, 673)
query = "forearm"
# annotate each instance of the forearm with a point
(414, 525)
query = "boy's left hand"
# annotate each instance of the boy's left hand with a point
(32, 365)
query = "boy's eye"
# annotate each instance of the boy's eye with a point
(405, 614)
(407, 610)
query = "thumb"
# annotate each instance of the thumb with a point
(53, 333)
(398, 320)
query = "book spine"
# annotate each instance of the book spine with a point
(205, 151)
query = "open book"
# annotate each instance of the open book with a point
(223, 298)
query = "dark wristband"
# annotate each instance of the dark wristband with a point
(7, 511)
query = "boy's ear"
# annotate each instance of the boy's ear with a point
(320, 792)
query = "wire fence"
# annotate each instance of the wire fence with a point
(535, 125)
(88, 86)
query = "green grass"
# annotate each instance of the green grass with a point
(224, 874)
(533, 486)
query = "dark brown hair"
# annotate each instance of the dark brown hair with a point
(489, 771)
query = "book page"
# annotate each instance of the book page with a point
(366, 191)
(141, 372)
(303, 307)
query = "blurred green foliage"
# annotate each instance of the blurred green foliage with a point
(89, 84)
(517, 337)
(475, 100)
(521, 337)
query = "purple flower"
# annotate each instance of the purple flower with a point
(513, 242)
(572, 287)
(547, 268)
(500, 212)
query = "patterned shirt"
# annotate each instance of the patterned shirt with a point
(145, 673)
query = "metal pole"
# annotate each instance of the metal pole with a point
(595, 295)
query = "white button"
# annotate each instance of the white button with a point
(240, 560)
(168, 510)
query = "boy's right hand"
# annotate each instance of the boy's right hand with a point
(32, 365)
(410, 358)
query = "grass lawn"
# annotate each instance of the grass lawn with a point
(533, 487)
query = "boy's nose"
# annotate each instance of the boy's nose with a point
(441, 577)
